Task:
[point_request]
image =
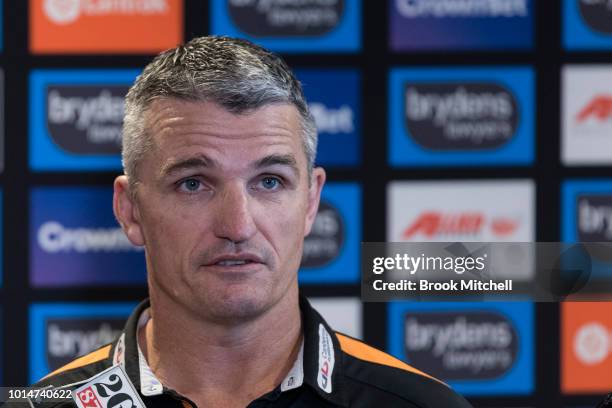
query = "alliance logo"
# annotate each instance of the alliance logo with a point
(594, 218)
(280, 18)
(326, 238)
(599, 109)
(462, 8)
(68, 11)
(586, 116)
(460, 116)
(597, 14)
(71, 338)
(86, 119)
(439, 225)
(473, 345)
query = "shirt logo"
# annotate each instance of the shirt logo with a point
(119, 354)
(110, 388)
(326, 360)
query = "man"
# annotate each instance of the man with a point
(220, 188)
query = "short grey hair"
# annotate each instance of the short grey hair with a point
(236, 74)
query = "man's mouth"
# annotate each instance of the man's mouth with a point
(233, 262)
(236, 260)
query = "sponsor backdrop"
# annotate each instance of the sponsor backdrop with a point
(82, 27)
(76, 117)
(479, 348)
(587, 24)
(291, 26)
(331, 251)
(62, 331)
(446, 120)
(587, 115)
(334, 98)
(461, 116)
(75, 240)
(440, 25)
(586, 348)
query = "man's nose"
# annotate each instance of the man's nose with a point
(234, 218)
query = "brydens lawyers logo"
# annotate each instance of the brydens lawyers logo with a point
(461, 345)
(303, 18)
(594, 214)
(597, 14)
(76, 118)
(479, 348)
(86, 119)
(69, 338)
(461, 115)
(326, 238)
(586, 347)
(452, 116)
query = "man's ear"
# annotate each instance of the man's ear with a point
(317, 180)
(126, 211)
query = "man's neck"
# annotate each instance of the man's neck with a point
(222, 365)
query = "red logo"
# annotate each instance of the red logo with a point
(325, 372)
(600, 107)
(433, 223)
(503, 226)
(88, 398)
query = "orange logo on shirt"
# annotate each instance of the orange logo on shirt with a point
(586, 347)
(105, 26)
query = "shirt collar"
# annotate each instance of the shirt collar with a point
(318, 364)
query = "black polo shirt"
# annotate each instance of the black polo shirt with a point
(332, 370)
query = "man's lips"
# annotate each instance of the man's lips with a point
(235, 260)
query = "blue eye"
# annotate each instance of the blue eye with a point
(191, 185)
(270, 183)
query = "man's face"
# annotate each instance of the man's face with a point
(222, 205)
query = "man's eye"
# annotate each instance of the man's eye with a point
(270, 183)
(190, 185)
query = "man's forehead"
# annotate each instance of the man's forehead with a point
(164, 112)
(205, 134)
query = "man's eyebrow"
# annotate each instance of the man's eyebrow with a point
(278, 159)
(176, 166)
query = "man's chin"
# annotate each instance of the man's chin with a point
(236, 308)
